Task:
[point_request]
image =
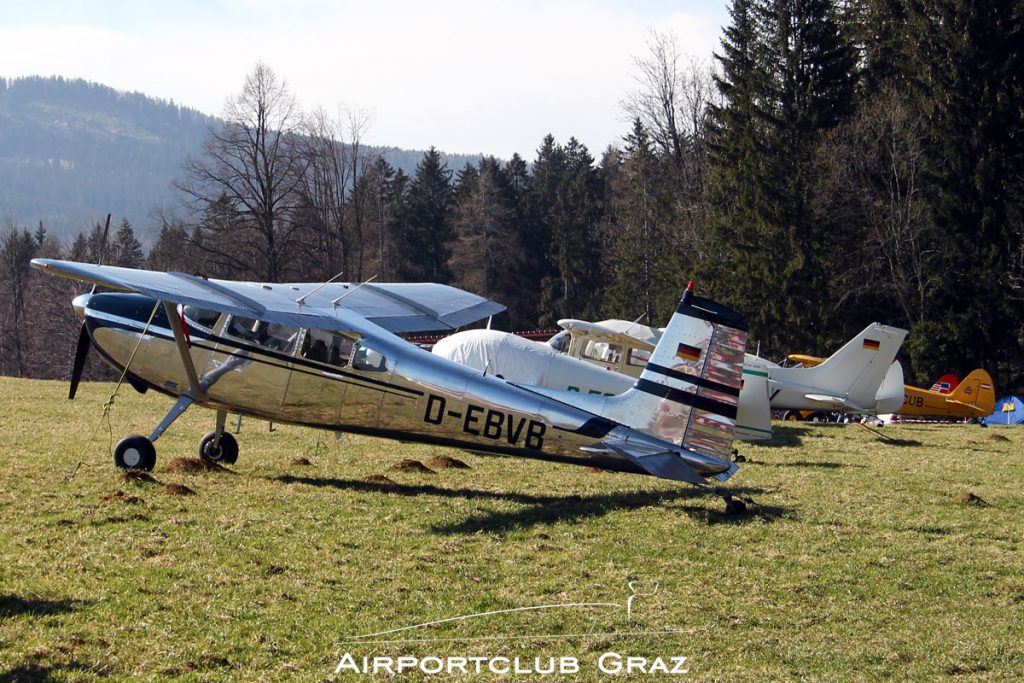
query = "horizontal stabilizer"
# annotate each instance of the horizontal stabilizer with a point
(835, 401)
(659, 461)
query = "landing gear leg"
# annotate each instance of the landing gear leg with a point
(137, 452)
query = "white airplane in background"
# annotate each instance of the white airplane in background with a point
(326, 355)
(605, 358)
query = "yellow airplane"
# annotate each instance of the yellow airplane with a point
(973, 397)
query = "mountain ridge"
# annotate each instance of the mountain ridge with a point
(72, 151)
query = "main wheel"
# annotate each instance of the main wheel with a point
(135, 453)
(226, 452)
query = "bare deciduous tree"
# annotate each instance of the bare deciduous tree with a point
(254, 168)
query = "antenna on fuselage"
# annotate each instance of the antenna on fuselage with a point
(302, 299)
(334, 302)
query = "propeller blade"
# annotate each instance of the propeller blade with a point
(80, 354)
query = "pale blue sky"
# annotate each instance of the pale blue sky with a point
(481, 76)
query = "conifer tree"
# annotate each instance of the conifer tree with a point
(574, 288)
(969, 72)
(425, 223)
(787, 75)
(642, 261)
(126, 249)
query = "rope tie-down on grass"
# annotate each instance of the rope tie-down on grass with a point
(109, 403)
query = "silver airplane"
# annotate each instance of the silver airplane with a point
(329, 356)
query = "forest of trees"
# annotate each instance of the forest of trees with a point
(838, 163)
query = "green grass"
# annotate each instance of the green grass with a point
(860, 560)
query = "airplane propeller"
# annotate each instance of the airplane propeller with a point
(81, 352)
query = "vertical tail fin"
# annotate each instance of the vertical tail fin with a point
(852, 375)
(689, 391)
(977, 391)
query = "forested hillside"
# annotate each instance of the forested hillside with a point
(72, 151)
(840, 163)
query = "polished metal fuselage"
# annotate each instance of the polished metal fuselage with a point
(414, 395)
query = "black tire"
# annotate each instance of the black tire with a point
(135, 453)
(226, 454)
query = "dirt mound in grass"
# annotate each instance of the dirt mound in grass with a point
(968, 498)
(177, 490)
(410, 466)
(120, 496)
(998, 438)
(440, 462)
(194, 465)
(137, 476)
(302, 462)
(379, 479)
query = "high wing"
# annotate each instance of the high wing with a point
(414, 307)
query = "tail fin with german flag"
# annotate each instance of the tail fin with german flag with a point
(689, 390)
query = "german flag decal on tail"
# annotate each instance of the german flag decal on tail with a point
(872, 344)
(688, 353)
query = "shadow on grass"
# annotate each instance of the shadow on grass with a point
(783, 436)
(825, 465)
(901, 442)
(542, 510)
(15, 605)
(36, 671)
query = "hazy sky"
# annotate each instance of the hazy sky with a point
(491, 77)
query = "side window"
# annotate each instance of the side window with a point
(202, 316)
(269, 335)
(602, 351)
(243, 328)
(278, 337)
(639, 357)
(326, 347)
(366, 359)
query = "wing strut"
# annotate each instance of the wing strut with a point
(195, 390)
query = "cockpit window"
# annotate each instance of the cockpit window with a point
(270, 335)
(202, 316)
(561, 341)
(326, 347)
(366, 359)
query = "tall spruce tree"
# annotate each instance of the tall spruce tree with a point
(574, 289)
(969, 71)
(787, 75)
(425, 232)
(488, 252)
(641, 261)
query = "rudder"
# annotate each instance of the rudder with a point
(689, 391)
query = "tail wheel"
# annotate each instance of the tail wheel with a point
(135, 453)
(224, 453)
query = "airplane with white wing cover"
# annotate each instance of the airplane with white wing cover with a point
(328, 356)
(604, 358)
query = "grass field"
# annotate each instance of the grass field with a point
(863, 558)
